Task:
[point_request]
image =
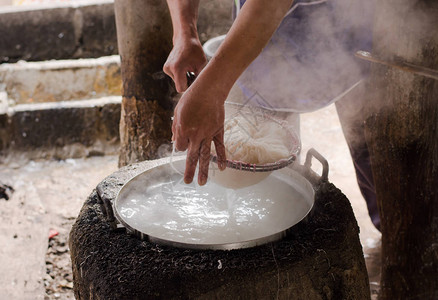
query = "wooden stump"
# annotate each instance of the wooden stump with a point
(321, 258)
(403, 141)
(144, 37)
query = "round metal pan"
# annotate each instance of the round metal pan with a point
(148, 196)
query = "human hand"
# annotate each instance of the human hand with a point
(187, 55)
(199, 120)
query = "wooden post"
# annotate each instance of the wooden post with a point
(403, 139)
(144, 34)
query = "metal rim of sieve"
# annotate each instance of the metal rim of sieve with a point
(269, 167)
(242, 166)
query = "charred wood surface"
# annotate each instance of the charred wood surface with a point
(321, 258)
(403, 139)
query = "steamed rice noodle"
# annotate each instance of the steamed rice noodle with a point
(255, 140)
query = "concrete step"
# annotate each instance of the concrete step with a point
(60, 130)
(60, 80)
(60, 109)
(81, 29)
(57, 31)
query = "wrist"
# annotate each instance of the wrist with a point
(185, 33)
(222, 73)
(218, 85)
(184, 15)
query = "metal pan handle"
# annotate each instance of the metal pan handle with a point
(308, 163)
(107, 208)
(190, 78)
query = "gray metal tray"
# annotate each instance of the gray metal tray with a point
(145, 184)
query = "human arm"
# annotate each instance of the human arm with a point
(199, 115)
(187, 54)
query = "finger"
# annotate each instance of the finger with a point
(204, 160)
(173, 129)
(191, 162)
(220, 150)
(181, 143)
(180, 81)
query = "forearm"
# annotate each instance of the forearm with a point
(184, 14)
(199, 114)
(251, 31)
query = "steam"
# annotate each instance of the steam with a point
(309, 63)
(165, 150)
(306, 64)
(406, 32)
(401, 26)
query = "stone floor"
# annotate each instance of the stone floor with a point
(49, 194)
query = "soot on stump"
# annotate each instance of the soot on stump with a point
(321, 258)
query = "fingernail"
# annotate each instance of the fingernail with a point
(202, 180)
(188, 180)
